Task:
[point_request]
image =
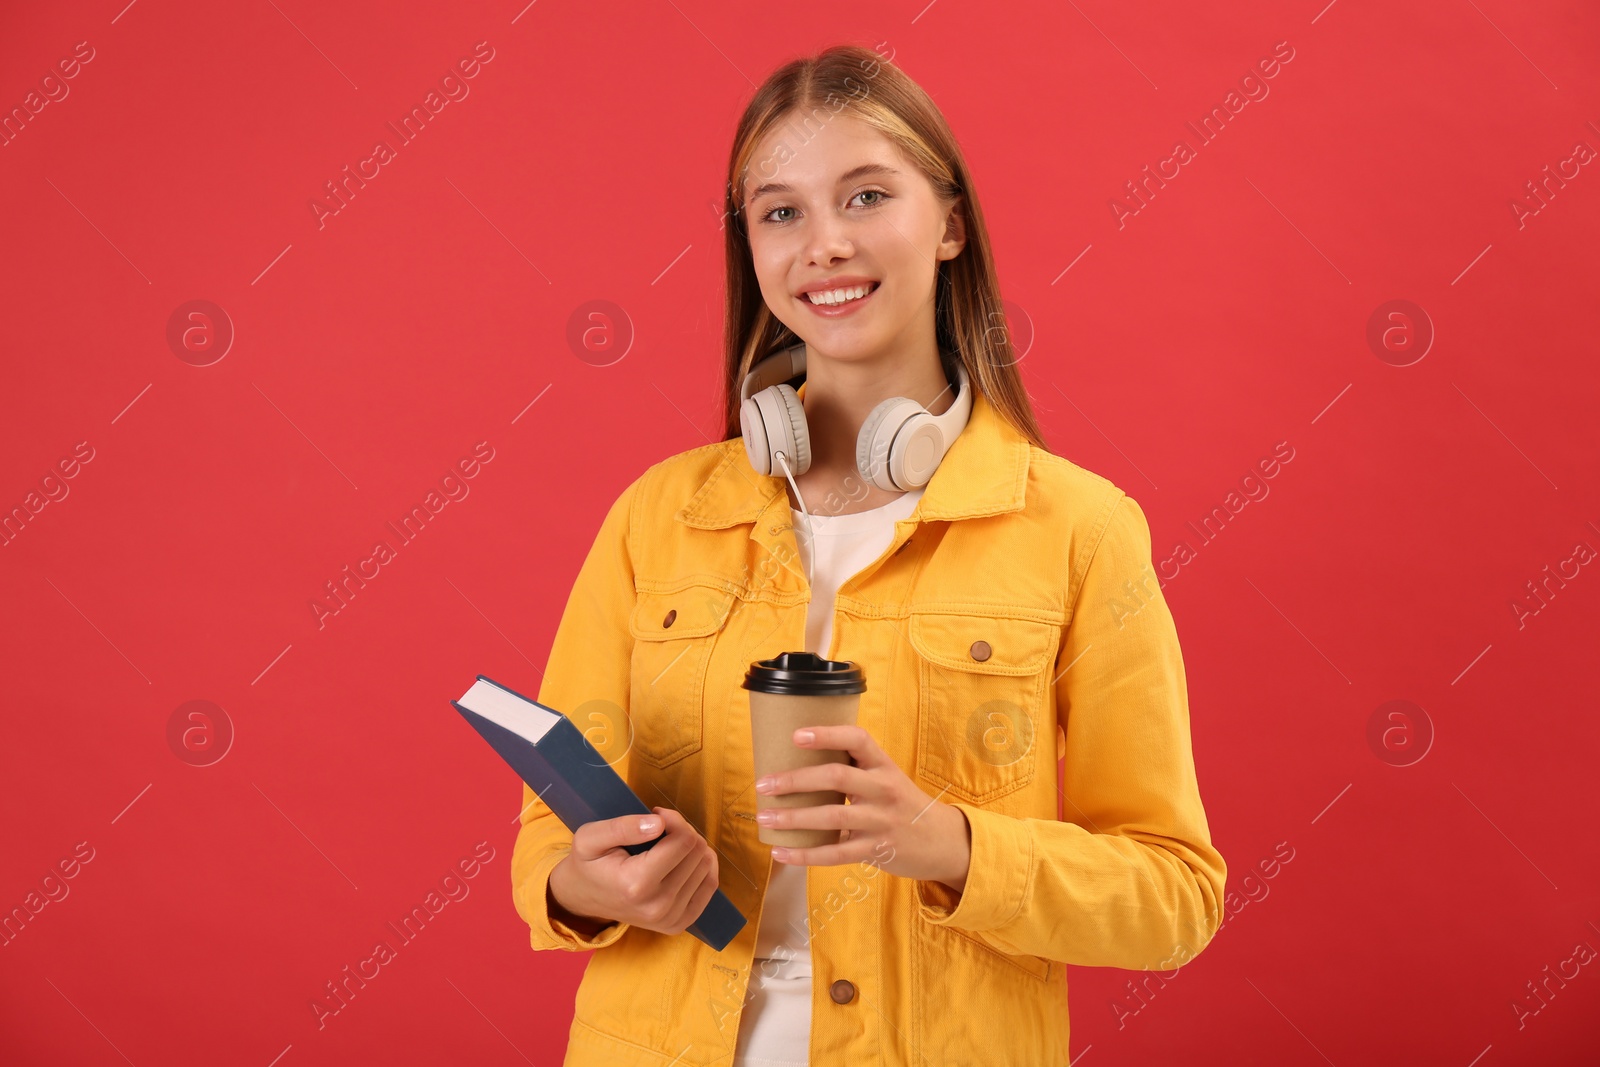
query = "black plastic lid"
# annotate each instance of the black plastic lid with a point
(805, 674)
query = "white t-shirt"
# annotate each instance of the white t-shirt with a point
(775, 1026)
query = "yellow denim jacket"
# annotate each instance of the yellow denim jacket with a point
(1016, 606)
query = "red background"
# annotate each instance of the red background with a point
(374, 351)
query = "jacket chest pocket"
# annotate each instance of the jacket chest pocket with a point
(672, 638)
(981, 700)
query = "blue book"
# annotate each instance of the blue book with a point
(550, 753)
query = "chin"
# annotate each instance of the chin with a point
(845, 349)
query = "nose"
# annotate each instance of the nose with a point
(830, 238)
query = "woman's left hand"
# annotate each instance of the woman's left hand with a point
(888, 822)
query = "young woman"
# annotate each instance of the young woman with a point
(899, 509)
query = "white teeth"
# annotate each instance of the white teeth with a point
(839, 296)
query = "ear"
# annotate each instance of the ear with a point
(955, 230)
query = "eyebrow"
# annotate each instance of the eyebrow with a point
(848, 176)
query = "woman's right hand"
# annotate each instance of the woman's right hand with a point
(664, 888)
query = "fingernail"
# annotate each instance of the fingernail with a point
(646, 825)
(803, 737)
(781, 855)
(764, 818)
(764, 785)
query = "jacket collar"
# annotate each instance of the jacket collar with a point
(984, 473)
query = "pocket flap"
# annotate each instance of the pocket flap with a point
(1008, 645)
(693, 612)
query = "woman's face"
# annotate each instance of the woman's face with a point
(846, 206)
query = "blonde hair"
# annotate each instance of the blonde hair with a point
(969, 319)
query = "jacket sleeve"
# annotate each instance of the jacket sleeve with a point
(586, 679)
(1128, 878)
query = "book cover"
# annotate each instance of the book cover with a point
(572, 778)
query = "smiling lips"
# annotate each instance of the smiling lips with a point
(839, 300)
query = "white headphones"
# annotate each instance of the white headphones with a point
(900, 445)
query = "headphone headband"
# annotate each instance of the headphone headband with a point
(776, 368)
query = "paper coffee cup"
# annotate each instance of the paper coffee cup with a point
(788, 692)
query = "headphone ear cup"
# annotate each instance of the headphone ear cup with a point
(774, 421)
(875, 445)
(919, 448)
(753, 429)
(799, 437)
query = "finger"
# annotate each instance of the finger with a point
(815, 817)
(832, 777)
(855, 851)
(662, 858)
(863, 749)
(697, 902)
(684, 888)
(594, 839)
(679, 883)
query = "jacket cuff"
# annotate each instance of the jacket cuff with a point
(998, 878)
(546, 930)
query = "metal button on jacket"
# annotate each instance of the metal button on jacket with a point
(980, 650)
(842, 992)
